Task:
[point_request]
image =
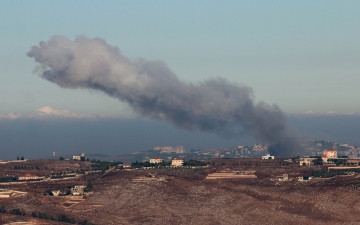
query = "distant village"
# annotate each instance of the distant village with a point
(338, 157)
(311, 149)
(319, 153)
(70, 179)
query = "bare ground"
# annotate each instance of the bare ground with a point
(183, 196)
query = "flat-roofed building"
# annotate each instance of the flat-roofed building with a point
(177, 162)
(77, 190)
(156, 160)
(268, 156)
(329, 154)
(306, 161)
(79, 157)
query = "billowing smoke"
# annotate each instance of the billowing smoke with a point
(154, 91)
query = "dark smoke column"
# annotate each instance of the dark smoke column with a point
(154, 91)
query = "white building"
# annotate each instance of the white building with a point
(329, 154)
(77, 190)
(127, 166)
(177, 162)
(268, 156)
(284, 177)
(155, 160)
(306, 161)
(78, 157)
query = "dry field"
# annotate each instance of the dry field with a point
(184, 196)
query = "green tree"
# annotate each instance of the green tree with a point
(16, 212)
(318, 161)
(2, 209)
(22, 158)
(89, 185)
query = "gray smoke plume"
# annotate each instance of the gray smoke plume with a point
(154, 91)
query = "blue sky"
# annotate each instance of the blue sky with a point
(302, 55)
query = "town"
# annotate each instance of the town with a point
(80, 190)
(311, 148)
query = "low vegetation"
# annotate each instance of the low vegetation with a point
(103, 165)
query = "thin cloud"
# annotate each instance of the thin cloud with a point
(332, 112)
(10, 116)
(309, 112)
(64, 113)
(50, 112)
(328, 113)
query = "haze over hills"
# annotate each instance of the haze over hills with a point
(35, 138)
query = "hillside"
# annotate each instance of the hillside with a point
(184, 196)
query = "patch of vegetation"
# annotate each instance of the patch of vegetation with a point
(182, 172)
(103, 165)
(339, 161)
(8, 179)
(85, 222)
(61, 218)
(318, 160)
(88, 186)
(195, 163)
(142, 164)
(16, 212)
(332, 173)
(2, 209)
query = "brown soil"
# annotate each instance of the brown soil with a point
(185, 197)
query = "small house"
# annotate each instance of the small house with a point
(268, 156)
(177, 162)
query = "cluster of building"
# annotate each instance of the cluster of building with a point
(169, 149)
(78, 190)
(326, 158)
(285, 177)
(174, 162)
(75, 191)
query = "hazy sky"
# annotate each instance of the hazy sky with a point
(303, 56)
